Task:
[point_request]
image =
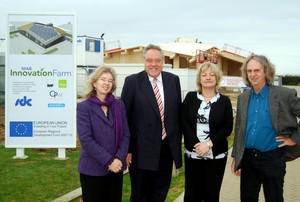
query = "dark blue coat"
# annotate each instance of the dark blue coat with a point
(144, 119)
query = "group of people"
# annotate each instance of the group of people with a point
(143, 131)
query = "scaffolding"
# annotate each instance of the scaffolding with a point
(236, 50)
(210, 55)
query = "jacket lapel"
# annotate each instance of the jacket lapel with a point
(244, 108)
(167, 85)
(273, 100)
(147, 89)
(100, 114)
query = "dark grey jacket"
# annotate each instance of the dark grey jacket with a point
(284, 110)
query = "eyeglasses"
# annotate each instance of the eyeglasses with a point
(104, 80)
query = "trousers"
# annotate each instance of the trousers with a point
(265, 169)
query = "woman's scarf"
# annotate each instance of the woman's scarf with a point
(110, 101)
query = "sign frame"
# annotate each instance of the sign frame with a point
(40, 78)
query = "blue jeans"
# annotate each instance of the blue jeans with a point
(262, 168)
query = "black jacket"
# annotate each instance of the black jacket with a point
(220, 122)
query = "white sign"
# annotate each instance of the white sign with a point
(40, 77)
(232, 81)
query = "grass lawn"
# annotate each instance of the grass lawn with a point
(39, 177)
(42, 178)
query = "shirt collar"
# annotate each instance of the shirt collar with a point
(214, 99)
(159, 78)
(263, 92)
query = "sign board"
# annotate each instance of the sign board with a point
(232, 81)
(40, 78)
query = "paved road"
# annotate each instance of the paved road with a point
(230, 187)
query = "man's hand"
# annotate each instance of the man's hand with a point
(129, 159)
(236, 173)
(286, 141)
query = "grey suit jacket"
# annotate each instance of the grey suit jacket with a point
(284, 110)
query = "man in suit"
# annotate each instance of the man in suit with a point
(155, 140)
(266, 126)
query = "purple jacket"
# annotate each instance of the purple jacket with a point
(96, 135)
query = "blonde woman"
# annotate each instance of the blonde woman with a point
(207, 121)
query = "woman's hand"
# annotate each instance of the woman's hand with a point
(115, 166)
(202, 148)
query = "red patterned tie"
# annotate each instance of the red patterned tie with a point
(160, 106)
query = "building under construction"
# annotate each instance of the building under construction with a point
(185, 53)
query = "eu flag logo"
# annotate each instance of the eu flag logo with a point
(20, 129)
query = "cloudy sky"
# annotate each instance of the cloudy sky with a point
(269, 27)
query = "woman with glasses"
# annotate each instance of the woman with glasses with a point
(104, 136)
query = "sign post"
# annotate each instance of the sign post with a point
(20, 154)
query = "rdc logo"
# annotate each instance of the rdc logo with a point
(23, 102)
